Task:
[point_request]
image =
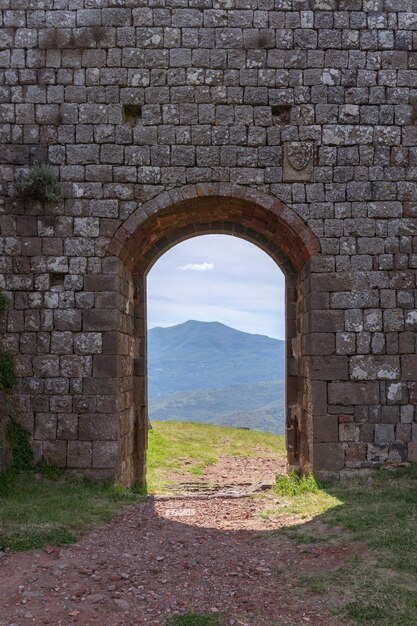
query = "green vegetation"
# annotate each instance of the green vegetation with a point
(193, 619)
(8, 377)
(188, 447)
(377, 587)
(43, 507)
(40, 183)
(22, 453)
(294, 484)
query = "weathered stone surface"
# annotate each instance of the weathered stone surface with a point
(375, 368)
(329, 456)
(288, 127)
(79, 454)
(347, 393)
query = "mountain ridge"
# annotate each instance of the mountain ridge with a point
(197, 355)
(212, 373)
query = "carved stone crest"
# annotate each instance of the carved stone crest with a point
(300, 154)
(298, 161)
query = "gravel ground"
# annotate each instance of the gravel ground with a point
(161, 557)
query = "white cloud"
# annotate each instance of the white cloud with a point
(247, 290)
(198, 267)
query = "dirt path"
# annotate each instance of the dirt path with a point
(161, 557)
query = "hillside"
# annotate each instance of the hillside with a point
(208, 372)
(259, 406)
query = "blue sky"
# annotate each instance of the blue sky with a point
(218, 278)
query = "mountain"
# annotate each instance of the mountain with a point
(209, 372)
(201, 355)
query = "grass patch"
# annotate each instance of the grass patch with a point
(294, 484)
(378, 588)
(193, 619)
(188, 447)
(44, 507)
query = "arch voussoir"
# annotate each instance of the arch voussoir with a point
(214, 207)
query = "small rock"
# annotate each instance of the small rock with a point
(94, 598)
(121, 604)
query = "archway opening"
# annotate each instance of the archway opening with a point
(178, 215)
(215, 366)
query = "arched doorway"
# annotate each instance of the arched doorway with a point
(176, 216)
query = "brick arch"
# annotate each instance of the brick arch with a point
(179, 214)
(174, 216)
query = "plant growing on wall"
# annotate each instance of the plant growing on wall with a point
(18, 438)
(40, 183)
(7, 371)
(19, 441)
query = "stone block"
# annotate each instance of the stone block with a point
(409, 367)
(412, 452)
(355, 452)
(104, 454)
(79, 454)
(107, 366)
(384, 433)
(325, 429)
(377, 453)
(349, 431)
(75, 366)
(329, 368)
(100, 320)
(61, 342)
(397, 393)
(55, 453)
(45, 426)
(326, 321)
(88, 343)
(319, 344)
(60, 404)
(328, 456)
(67, 319)
(347, 393)
(67, 426)
(375, 367)
(98, 426)
(390, 414)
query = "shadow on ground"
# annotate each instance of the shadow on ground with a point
(344, 554)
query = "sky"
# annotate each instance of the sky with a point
(218, 278)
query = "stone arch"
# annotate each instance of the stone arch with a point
(248, 213)
(172, 217)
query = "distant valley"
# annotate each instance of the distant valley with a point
(208, 372)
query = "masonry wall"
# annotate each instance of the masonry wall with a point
(312, 102)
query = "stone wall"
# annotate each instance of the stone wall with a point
(304, 112)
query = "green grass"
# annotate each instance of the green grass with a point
(47, 508)
(189, 447)
(193, 619)
(293, 484)
(379, 587)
